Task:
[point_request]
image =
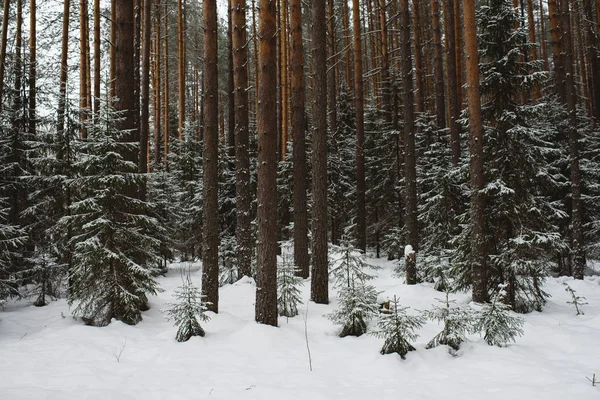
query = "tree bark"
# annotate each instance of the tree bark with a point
(124, 65)
(166, 86)
(557, 51)
(361, 225)
(452, 88)
(180, 68)
(210, 251)
(347, 45)
(145, 82)
(266, 287)
(284, 79)
(386, 84)
(594, 53)
(543, 35)
(438, 67)
(158, 85)
(64, 57)
(319, 292)
(3, 41)
(243, 188)
(460, 63)
(230, 85)
(32, 67)
(419, 79)
(83, 66)
(97, 59)
(477, 219)
(113, 28)
(410, 169)
(298, 120)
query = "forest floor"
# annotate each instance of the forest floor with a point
(47, 354)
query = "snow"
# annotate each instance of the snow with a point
(408, 250)
(47, 354)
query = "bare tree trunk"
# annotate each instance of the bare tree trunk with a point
(299, 145)
(210, 251)
(477, 222)
(410, 171)
(347, 45)
(266, 287)
(64, 57)
(97, 59)
(453, 89)
(543, 35)
(3, 41)
(419, 80)
(319, 292)
(32, 67)
(158, 85)
(438, 69)
(230, 89)
(385, 67)
(578, 31)
(361, 226)
(180, 68)
(594, 53)
(113, 17)
(557, 54)
(284, 79)
(460, 63)
(145, 83)
(166, 85)
(243, 189)
(83, 69)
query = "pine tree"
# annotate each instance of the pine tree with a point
(189, 311)
(496, 323)
(458, 322)
(115, 243)
(11, 239)
(576, 300)
(228, 268)
(398, 329)
(348, 265)
(46, 273)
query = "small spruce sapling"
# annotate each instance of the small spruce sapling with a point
(496, 323)
(288, 287)
(398, 329)
(577, 300)
(458, 322)
(188, 311)
(357, 300)
(228, 272)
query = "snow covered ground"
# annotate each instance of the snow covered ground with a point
(46, 354)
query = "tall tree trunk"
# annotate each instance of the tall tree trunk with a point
(137, 41)
(97, 59)
(145, 82)
(210, 251)
(319, 292)
(266, 287)
(419, 79)
(452, 88)
(557, 54)
(83, 67)
(3, 41)
(385, 67)
(578, 30)
(361, 225)
(460, 63)
(543, 35)
(158, 85)
(477, 220)
(113, 30)
(256, 67)
(577, 247)
(180, 68)
(284, 79)
(244, 195)
(230, 83)
(533, 52)
(64, 57)
(166, 85)
(332, 66)
(410, 171)
(438, 68)
(347, 45)
(594, 53)
(32, 67)
(298, 120)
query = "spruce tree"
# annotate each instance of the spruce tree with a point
(115, 242)
(495, 321)
(458, 322)
(288, 286)
(398, 329)
(189, 310)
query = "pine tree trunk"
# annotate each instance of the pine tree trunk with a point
(319, 292)
(210, 251)
(452, 88)
(578, 30)
(542, 17)
(124, 65)
(557, 54)
(438, 68)
(577, 247)
(180, 68)
(230, 89)
(460, 62)
(83, 67)
(410, 171)
(477, 219)
(284, 79)
(137, 47)
(3, 41)
(64, 57)
(298, 120)
(419, 79)
(166, 86)
(361, 226)
(145, 83)
(158, 85)
(594, 53)
(385, 68)
(97, 59)
(347, 45)
(113, 30)
(266, 287)
(533, 52)
(243, 188)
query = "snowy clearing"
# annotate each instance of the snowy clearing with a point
(48, 355)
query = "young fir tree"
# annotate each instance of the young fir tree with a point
(357, 299)
(163, 194)
(458, 322)
(115, 241)
(228, 270)
(46, 273)
(576, 300)
(189, 311)
(11, 240)
(398, 329)
(288, 285)
(495, 321)
(520, 220)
